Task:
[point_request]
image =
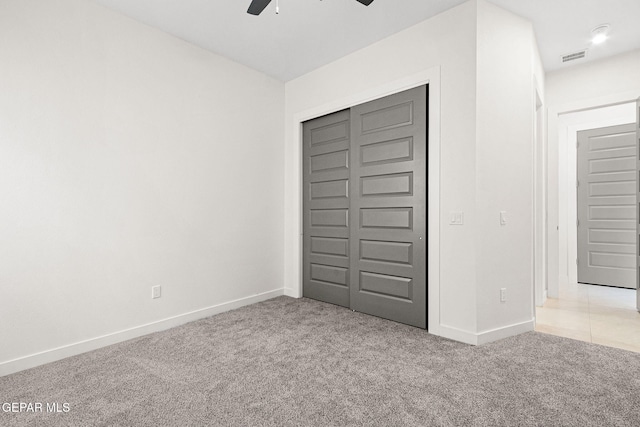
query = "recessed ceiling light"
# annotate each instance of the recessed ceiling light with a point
(600, 34)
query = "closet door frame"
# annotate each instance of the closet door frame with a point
(294, 237)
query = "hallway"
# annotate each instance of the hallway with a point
(596, 314)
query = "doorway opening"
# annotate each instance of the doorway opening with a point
(569, 126)
(598, 314)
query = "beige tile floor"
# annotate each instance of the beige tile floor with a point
(596, 314)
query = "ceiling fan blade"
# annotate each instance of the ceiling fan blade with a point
(257, 6)
(366, 2)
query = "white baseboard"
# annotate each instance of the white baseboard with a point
(486, 336)
(457, 334)
(293, 293)
(48, 356)
(505, 332)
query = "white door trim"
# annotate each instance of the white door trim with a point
(539, 199)
(430, 76)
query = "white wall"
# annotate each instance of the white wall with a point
(614, 75)
(128, 159)
(589, 86)
(504, 167)
(485, 156)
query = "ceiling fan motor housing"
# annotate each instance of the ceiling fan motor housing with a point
(257, 6)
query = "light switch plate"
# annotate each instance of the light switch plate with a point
(456, 218)
(156, 292)
(503, 217)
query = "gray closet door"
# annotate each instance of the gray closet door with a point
(326, 208)
(388, 207)
(607, 206)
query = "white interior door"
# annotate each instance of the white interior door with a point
(637, 201)
(607, 169)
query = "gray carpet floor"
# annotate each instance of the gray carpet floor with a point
(301, 362)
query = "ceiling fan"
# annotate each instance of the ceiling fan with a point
(257, 6)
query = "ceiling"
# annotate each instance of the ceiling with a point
(310, 33)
